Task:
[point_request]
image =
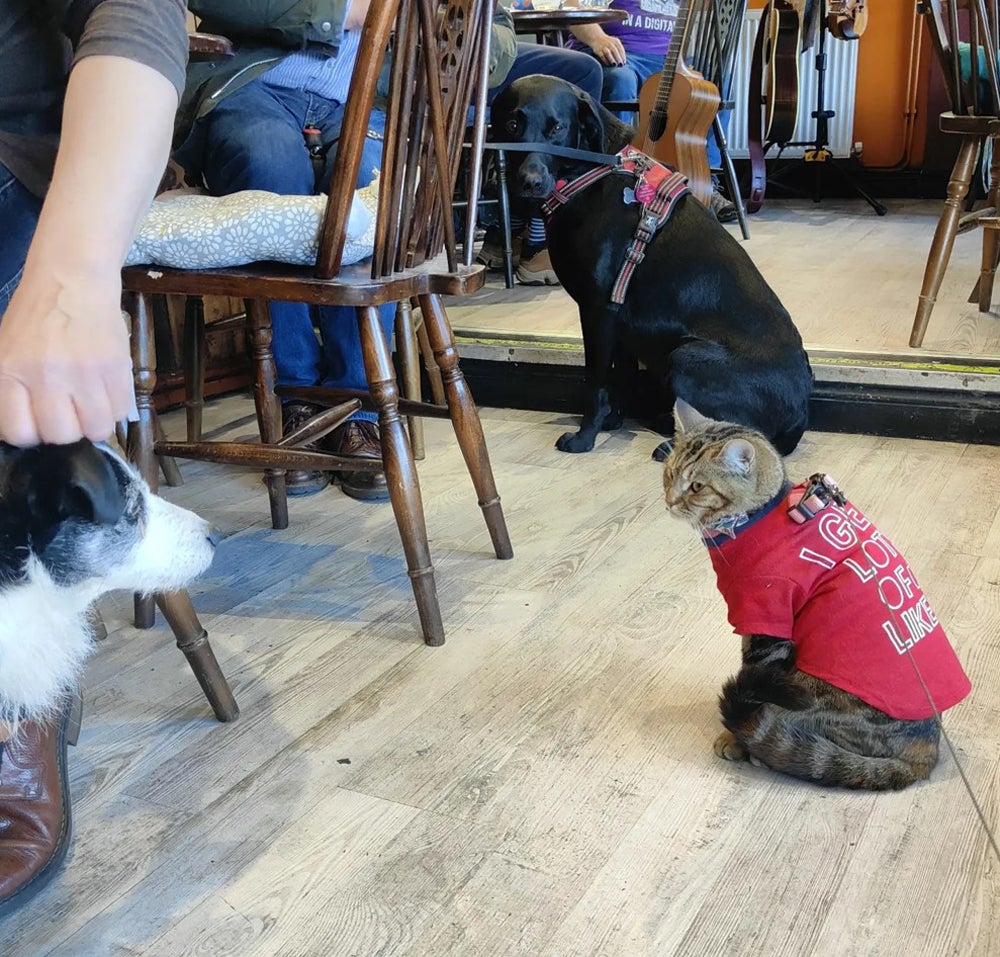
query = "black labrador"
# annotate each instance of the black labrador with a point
(697, 313)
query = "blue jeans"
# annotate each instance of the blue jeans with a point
(19, 211)
(253, 140)
(622, 83)
(570, 65)
(714, 153)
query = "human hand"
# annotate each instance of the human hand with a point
(609, 50)
(65, 361)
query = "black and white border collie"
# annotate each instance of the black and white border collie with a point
(77, 521)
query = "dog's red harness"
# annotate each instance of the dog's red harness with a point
(657, 188)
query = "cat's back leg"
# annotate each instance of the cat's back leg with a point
(835, 739)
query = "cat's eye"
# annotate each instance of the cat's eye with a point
(696, 487)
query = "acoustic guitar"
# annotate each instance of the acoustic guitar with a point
(773, 95)
(781, 74)
(846, 19)
(676, 110)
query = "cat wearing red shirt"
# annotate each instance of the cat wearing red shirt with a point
(845, 665)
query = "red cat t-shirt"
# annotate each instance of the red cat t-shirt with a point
(818, 584)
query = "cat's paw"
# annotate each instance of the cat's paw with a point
(728, 748)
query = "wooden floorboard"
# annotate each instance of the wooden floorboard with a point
(544, 783)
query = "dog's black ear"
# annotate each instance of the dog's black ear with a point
(591, 125)
(60, 482)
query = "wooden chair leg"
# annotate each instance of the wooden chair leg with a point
(192, 639)
(194, 365)
(401, 474)
(168, 464)
(504, 204)
(176, 607)
(408, 350)
(465, 419)
(142, 433)
(944, 236)
(267, 402)
(96, 624)
(430, 366)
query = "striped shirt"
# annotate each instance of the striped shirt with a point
(326, 76)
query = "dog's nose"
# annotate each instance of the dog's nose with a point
(214, 536)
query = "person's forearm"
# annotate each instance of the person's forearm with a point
(588, 33)
(115, 141)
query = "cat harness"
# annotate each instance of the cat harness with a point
(657, 188)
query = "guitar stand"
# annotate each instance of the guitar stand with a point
(817, 150)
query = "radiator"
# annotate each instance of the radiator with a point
(839, 85)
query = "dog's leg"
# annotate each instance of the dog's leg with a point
(624, 371)
(598, 351)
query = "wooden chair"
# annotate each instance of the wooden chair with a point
(974, 93)
(439, 68)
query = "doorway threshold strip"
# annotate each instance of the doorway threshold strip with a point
(916, 370)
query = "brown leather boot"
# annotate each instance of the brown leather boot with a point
(361, 439)
(302, 481)
(35, 823)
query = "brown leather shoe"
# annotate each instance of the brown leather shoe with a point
(35, 820)
(302, 481)
(359, 438)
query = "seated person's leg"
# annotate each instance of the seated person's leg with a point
(573, 66)
(344, 364)
(253, 140)
(621, 85)
(722, 206)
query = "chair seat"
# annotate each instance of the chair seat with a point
(352, 286)
(970, 125)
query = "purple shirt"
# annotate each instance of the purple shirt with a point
(647, 29)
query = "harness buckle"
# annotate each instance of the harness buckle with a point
(821, 491)
(648, 224)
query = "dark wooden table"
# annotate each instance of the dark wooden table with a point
(550, 26)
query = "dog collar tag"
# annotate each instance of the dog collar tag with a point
(628, 195)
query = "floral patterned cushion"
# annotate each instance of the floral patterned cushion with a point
(191, 230)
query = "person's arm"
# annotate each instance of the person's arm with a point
(357, 10)
(65, 365)
(609, 50)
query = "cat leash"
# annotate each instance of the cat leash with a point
(821, 491)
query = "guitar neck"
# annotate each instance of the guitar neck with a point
(677, 42)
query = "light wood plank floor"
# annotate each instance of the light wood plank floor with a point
(849, 279)
(543, 784)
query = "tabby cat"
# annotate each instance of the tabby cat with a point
(834, 625)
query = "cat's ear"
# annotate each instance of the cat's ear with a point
(687, 418)
(738, 456)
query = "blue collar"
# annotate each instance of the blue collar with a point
(727, 528)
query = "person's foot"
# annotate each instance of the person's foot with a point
(536, 270)
(491, 252)
(302, 481)
(359, 438)
(724, 209)
(35, 818)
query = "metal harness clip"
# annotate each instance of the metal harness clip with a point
(821, 490)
